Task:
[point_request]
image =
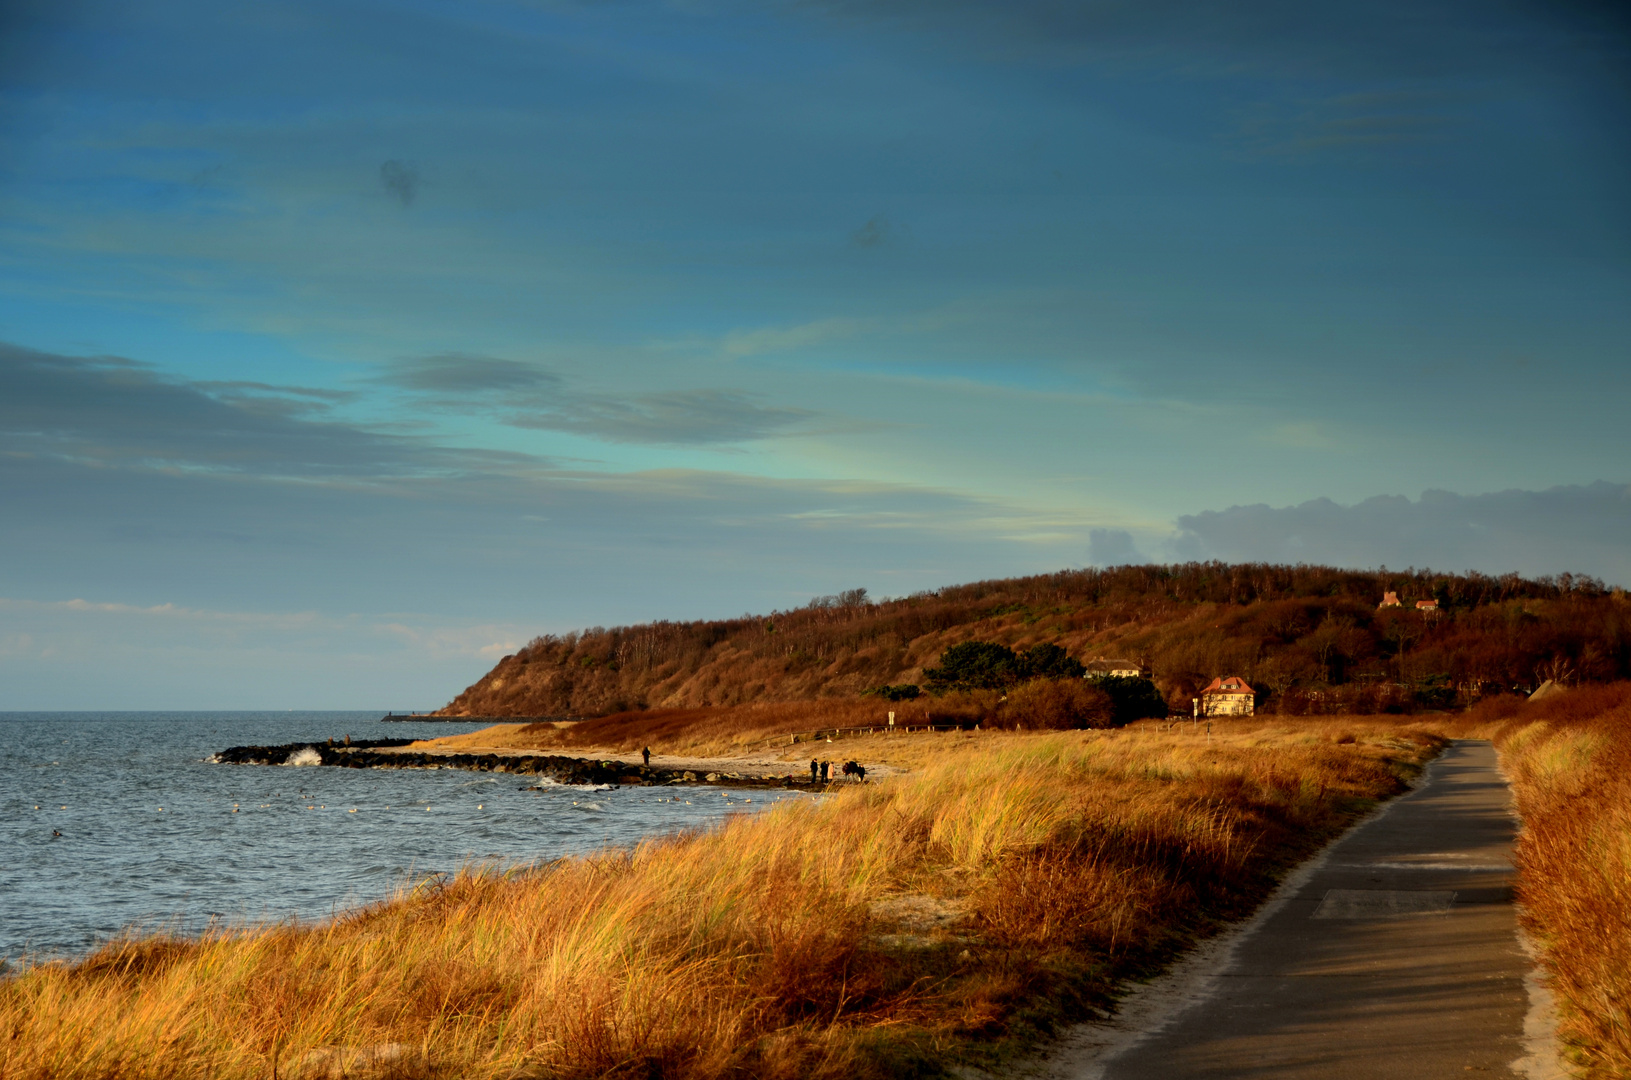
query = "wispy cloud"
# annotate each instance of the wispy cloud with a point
(467, 374)
(302, 620)
(679, 417)
(1299, 435)
(423, 633)
(776, 339)
(526, 395)
(1372, 120)
(119, 413)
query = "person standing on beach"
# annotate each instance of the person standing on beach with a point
(645, 756)
(815, 767)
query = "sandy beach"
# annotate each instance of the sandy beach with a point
(760, 764)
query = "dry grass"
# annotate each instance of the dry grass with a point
(765, 725)
(1569, 758)
(1003, 886)
(716, 729)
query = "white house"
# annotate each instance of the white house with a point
(1113, 669)
(1228, 696)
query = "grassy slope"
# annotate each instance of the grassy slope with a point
(1005, 884)
(1569, 758)
(1291, 630)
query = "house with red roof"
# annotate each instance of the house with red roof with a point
(1390, 599)
(1228, 695)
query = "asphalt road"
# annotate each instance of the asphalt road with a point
(1398, 958)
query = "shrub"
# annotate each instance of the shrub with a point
(974, 665)
(1135, 699)
(903, 692)
(1049, 661)
(982, 665)
(1058, 704)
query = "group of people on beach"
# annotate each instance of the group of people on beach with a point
(821, 770)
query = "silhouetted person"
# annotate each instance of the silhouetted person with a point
(825, 766)
(815, 767)
(646, 755)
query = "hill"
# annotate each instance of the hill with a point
(1308, 638)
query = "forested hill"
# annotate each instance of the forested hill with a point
(1309, 638)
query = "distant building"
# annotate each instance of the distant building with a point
(1113, 669)
(1428, 607)
(1390, 599)
(1228, 696)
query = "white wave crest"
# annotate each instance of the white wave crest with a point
(306, 755)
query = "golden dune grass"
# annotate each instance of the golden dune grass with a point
(1569, 758)
(1003, 886)
(709, 730)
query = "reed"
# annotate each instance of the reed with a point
(1569, 758)
(1005, 885)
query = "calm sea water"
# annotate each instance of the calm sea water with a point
(149, 836)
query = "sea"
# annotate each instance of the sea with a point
(118, 822)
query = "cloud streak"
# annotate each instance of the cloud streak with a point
(530, 396)
(675, 418)
(117, 413)
(466, 374)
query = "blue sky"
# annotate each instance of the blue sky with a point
(346, 346)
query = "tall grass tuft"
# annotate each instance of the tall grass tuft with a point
(965, 909)
(1569, 758)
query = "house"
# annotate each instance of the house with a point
(1228, 696)
(1113, 669)
(1427, 607)
(1390, 599)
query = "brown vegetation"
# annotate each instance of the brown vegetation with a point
(1005, 885)
(1042, 705)
(1569, 758)
(1310, 638)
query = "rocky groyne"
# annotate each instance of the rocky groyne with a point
(379, 754)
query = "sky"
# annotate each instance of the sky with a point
(346, 346)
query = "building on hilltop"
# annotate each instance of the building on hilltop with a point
(1228, 696)
(1113, 669)
(1427, 607)
(1390, 599)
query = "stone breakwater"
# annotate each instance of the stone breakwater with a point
(376, 754)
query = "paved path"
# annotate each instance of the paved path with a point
(1398, 958)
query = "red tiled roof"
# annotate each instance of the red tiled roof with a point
(1228, 684)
